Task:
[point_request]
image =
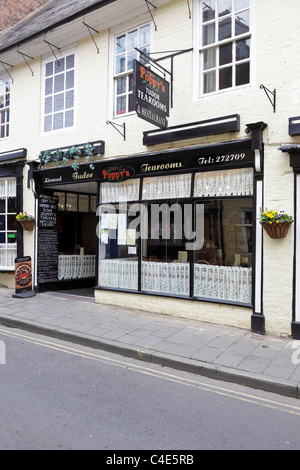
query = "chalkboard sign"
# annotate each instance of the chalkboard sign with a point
(48, 207)
(47, 265)
(47, 253)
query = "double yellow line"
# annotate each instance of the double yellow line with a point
(295, 410)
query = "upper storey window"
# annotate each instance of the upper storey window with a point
(225, 44)
(125, 54)
(59, 93)
(4, 108)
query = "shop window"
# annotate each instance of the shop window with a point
(59, 93)
(8, 229)
(125, 55)
(4, 108)
(225, 41)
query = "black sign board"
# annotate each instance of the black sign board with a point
(47, 255)
(151, 95)
(47, 214)
(23, 274)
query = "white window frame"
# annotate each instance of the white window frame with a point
(47, 59)
(199, 48)
(5, 110)
(8, 250)
(115, 34)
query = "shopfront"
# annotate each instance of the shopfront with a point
(175, 224)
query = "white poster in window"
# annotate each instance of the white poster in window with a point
(104, 237)
(132, 250)
(113, 221)
(122, 221)
(105, 221)
(131, 236)
(122, 239)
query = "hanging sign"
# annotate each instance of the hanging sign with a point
(151, 95)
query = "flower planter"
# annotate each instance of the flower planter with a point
(276, 230)
(27, 224)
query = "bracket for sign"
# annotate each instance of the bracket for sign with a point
(149, 3)
(171, 55)
(190, 13)
(5, 65)
(90, 29)
(25, 56)
(270, 93)
(115, 126)
(52, 47)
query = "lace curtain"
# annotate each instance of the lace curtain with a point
(76, 266)
(122, 191)
(118, 273)
(236, 182)
(168, 278)
(167, 187)
(8, 187)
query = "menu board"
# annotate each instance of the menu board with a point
(47, 255)
(48, 207)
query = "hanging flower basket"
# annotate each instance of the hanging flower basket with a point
(27, 224)
(276, 230)
(275, 223)
(27, 221)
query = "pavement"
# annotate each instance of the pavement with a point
(220, 352)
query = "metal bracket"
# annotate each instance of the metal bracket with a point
(90, 29)
(123, 134)
(149, 3)
(25, 56)
(5, 65)
(52, 47)
(268, 93)
(190, 13)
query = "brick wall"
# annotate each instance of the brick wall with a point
(12, 11)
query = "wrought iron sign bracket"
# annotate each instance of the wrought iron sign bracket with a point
(270, 93)
(115, 126)
(52, 47)
(5, 65)
(25, 57)
(90, 29)
(150, 12)
(189, 7)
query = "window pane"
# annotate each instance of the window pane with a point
(208, 34)
(130, 59)
(224, 29)
(121, 42)
(49, 69)
(48, 105)
(48, 123)
(1, 101)
(120, 66)
(130, 103)
(59, 83)
(69, 99)
(209, 58)
(59, 102)
(144, 35)
(208, 12)
(242, 23)
(70, 80)
(49, 86)
(243, 74)
(11, 238)
(121, 85)
(70, 62)
(209, 84)
(2, 222)
(243, 49)
(2, 237)
(130, 85)
(225, 56)
(11, 222)
(241, 4)
(12, 205)
(225, 7)
(69, 118)
(121, 105)
(2, 206)
(225, 78)
(132, 40)
(58, 120)
(59, 65)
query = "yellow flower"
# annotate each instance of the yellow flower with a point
(277, 221)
